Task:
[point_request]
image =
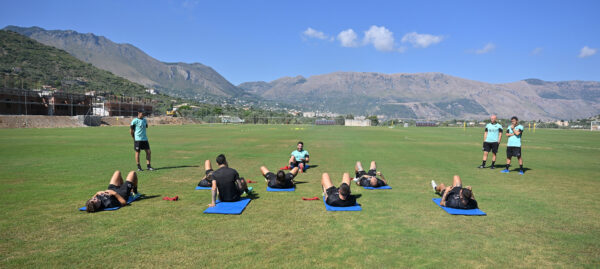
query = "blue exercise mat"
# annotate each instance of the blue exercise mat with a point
(276, 189)
(229, 208)
(454, 211)
(386, 187)
(130, 200)
(355, 207)
(203, 188)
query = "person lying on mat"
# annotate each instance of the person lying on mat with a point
(338, 196)
(116, 195)
(206, 181)
(369, 179)
(281, 180)
(227, 182)
(455, 196)
(299, 157)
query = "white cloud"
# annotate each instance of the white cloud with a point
(421, 40)
(381, 38)
(487, 48)
(348, 38)
(587, 52)
(312, 33)
(537, 51)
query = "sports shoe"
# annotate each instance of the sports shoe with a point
(521, 172)
(150, 168)
(140, 169)
(249, 190)
(492, 167)
(481, 166)
(505, 171)
(433, 185)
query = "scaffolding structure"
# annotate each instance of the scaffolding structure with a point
(55, 103)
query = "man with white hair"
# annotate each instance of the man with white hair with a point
(491, 139)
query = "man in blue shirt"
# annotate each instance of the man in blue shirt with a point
(299, 158)
(491, 139)
(513, 145)
(140, 140)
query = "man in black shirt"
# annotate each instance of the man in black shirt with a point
(116, 195)
(341, 196)
(281, 180)
(206, 181)
(455, 196)
(227, 182)
(369, 179)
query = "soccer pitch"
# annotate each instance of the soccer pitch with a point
(548, 217)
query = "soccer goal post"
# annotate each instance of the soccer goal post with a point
(595, 126)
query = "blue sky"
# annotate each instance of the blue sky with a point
(501, 41)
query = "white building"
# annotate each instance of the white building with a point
(361, 123)
(308, 114)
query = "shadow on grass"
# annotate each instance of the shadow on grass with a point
(311, 166)
(144, 197)
(299, 182)
(515, 168)
(175, 167)
(253, 195)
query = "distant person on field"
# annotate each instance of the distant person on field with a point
(206, 181)
(299, 157)
(455, 196)
(492, 136)
(369, 179)
(227, 183)
(140, 140)
(281, 180)
(117, 193)
(341, 196)
(513, 147)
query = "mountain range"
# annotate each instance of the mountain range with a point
(420, 95)
(189, 80)
(433, 95)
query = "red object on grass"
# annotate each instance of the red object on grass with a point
(310, 199)
(250, 181)
(171, 198)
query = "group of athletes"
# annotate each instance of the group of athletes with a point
(226, 183)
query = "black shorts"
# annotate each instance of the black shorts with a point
(371, 172)
(513, 152)
(490, 146)
(138, 145)
(270, 176)
(124, 190)
(331, 191)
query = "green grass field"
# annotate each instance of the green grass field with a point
(550, 217)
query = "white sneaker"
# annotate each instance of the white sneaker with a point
(433, 185)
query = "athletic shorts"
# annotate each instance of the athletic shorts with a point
(124, 190)
(270, 176)
(138, 145)
(490, 147)
(455, 188)
(208, 172)
(294, 164)
(513, 152)
(331, 191)
(371, 172)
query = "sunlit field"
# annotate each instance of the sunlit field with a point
(548, 217)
